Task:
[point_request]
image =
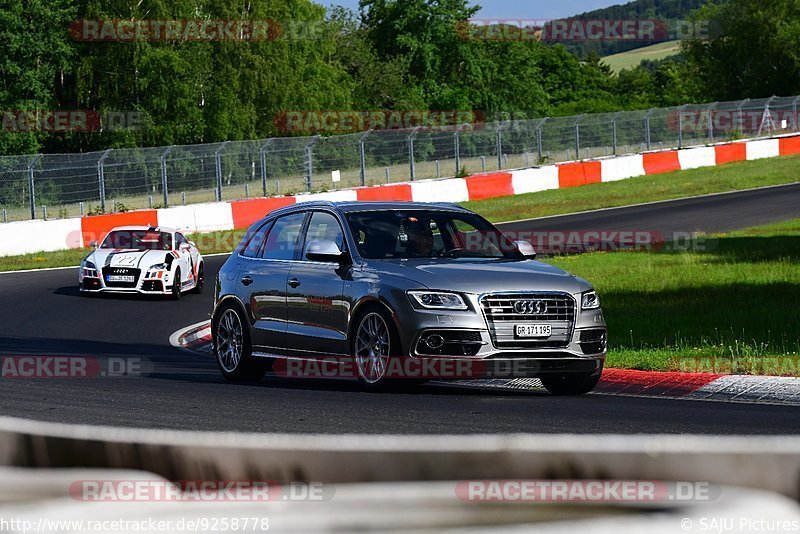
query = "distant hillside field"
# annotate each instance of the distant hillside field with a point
(632, 58)
(664, 10)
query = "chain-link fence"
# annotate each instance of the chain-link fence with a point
(68, 185)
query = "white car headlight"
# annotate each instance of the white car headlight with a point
(437, 300)
(88, 269)
(158, 268)
(590, 301)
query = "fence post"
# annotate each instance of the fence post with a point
(164, 188)
(766, 113)
(31, 184)
(740, 114)
(614, 132)
(499, 148)
(578, 136)
(711, 121)
(310, 161)
(539, 137)
(262, 154)
(412, 166)
(218, 165)
(457, 148)
(794, 113)
(101, 179)
(362, 156)
(680, 125)
(647, 127)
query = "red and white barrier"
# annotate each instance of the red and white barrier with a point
(35, 236)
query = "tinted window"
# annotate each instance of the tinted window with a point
(256, 242)
(138, 240)
(386, 235)
(179, 240)
(283, 237)
(325, 227)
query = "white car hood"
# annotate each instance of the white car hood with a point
(130, 259)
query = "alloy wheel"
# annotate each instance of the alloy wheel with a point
(372, 348)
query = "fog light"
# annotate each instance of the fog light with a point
(434, 341)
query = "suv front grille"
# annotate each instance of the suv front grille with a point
(505, 311)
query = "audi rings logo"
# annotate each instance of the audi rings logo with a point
(530, 307)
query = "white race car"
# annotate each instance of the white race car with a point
(141, 259)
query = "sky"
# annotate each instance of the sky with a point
(518, 9)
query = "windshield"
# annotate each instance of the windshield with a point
(422, 234)
(138, 240)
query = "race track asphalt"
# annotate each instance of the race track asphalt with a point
(42, 314)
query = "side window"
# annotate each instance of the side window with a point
(179, 240)
(283, 238)
(325, 227)
(256, 243)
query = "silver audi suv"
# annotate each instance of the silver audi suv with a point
(387, 292)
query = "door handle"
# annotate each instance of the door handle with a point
(247, 281)
(294, 283)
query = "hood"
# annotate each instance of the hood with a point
(483, 277)
(131, 259)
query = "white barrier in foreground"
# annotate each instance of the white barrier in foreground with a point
(768, 463)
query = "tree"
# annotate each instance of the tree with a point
(754, 49)
(36, 56)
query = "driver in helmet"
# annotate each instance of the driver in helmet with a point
(420, 237)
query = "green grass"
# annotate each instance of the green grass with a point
(729, 309)
(632, 58)
(695, 182)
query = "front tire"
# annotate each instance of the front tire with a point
(201, 281)
(233, 349)
(176, 286)
(571, 385)
(374, 340)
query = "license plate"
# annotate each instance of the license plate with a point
(534, 330)
(118, 278)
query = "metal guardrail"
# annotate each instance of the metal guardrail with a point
(759, 462)
(68, 185)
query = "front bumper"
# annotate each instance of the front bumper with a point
(471, 352)
(143, 287)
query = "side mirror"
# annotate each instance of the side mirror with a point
(186, 247)
(192, 243)
(94, 244)
(527, 249)
(325, 252)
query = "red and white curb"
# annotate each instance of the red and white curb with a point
(619, 382)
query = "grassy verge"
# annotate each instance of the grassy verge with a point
(695, 182)
(731, 308)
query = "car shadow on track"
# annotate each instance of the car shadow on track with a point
(73, 291)
(352, 386)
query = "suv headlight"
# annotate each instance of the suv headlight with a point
(590, 301)
(158, 268)
(437, 300)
